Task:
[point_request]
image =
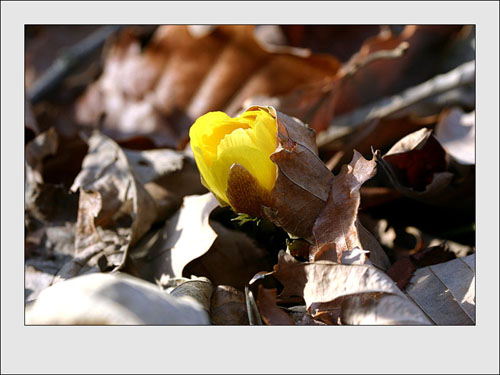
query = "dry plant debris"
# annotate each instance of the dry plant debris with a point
(368, 219)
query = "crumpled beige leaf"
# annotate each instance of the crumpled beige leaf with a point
(446, 291)
(112, 299)
(198, 288)
(185, 236)
(114, 192)
(456, 131)
(325, 285)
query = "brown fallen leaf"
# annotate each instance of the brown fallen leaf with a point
(228, 306)
(167, 175)
(181, 76)
(115, 197)
(341, 41)
(198, 288)
(365, 77)
(386, 77)
(271, 314)
(336, 228)
(233, 259)
(380, 134)
(381, 309)
(303, 180)
(187, 235)
(325, 285)
(401, 271)
(446, 291)
(419, 167)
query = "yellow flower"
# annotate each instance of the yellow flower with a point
(220, 142)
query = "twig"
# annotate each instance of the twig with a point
(399, 51)
(68, 61)
(345, 124)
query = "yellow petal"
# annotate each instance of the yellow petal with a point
(238, 148)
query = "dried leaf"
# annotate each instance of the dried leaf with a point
(341, 41)
(317, 103)
(303, 180)
(112, 299)
(181, 76)
(385, 309)
(386, 77)
(446, 291)
(456, 131)
(401, 271)
(228, 306)
(271, 314)
(185, 236)
(116, 194)
(324, 281)
(168, 176)
(417, 166)
(336, 228)
(233, 259)
(326, 285)
(198, 288)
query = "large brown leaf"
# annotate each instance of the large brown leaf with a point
(326, 285)
(181, 76)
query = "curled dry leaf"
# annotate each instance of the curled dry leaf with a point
(336, 228)
(115, 194)
(270, 312)
(324, 285)
(167, 176)
(112, 299)
(228, 306)
(446, 291)
(198, 288)
(185, 236)
(419, 167)
(181, 76)
(233, 259)
(456, 131)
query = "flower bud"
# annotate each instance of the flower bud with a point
(233, 157)
(264, 164)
